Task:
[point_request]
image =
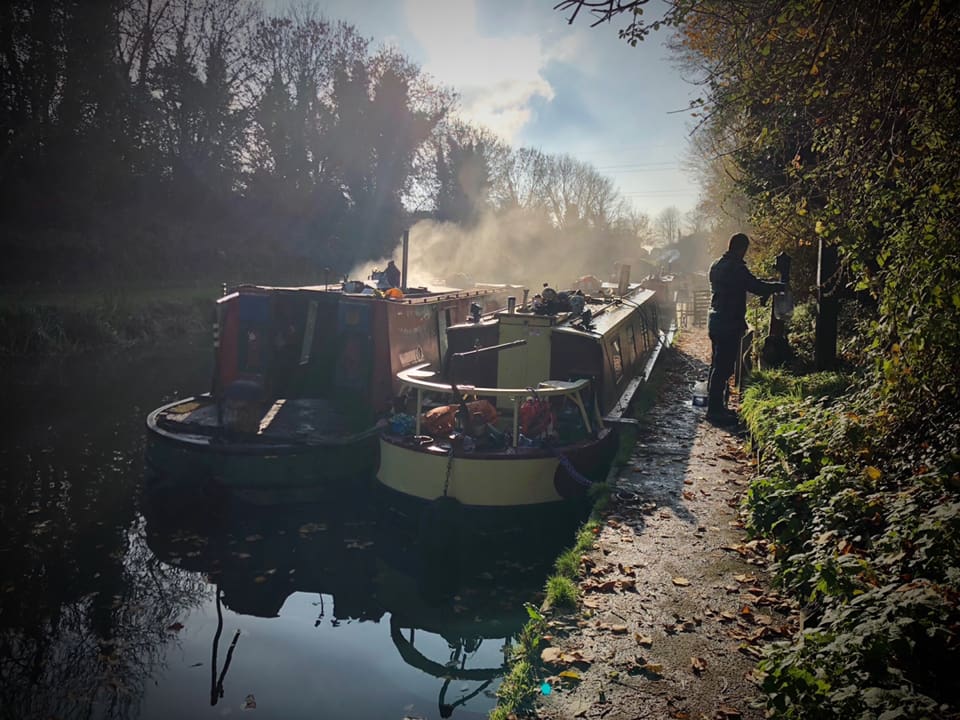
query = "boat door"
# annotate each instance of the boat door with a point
(351, 377)
(245, 353)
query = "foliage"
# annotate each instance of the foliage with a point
(864, 516)
(178, 139)
(30, 329)
(519, 687)
(837, 124)
(561, 592)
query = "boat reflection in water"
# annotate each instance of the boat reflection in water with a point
(423, 611)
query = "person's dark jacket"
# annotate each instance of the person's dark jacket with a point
(392, 275)
(730, 281)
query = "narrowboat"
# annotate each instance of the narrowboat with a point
(300, 377)
(524, 414)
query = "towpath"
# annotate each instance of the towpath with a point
(675, 603)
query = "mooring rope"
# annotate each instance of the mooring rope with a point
(571, 470)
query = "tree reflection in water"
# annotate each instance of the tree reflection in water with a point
(79, 646)
(90, 608)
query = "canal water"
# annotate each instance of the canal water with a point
(192, 606)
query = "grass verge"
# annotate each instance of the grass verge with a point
(38, 325)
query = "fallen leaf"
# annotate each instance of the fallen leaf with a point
(728, 712)
(551, 655)
(644, 640)
(698, 664)
(681, 581)
(598, 586)
(571, 675)
(618, 629)
(557, 657)
(742, 550)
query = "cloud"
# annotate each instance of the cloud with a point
(499, 77)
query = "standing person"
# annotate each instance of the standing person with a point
(730, 281)
(392, 274)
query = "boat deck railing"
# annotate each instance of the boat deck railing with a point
(420, 378)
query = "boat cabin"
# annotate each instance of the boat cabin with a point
(607, 342)
(325, 341)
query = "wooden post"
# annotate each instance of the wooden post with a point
(776, 351)
(828, 308)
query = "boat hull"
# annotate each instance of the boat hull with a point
(254, 469)
(514, 478)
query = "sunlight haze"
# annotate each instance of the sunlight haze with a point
(524, 72)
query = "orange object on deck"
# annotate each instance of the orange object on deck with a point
(442, 420)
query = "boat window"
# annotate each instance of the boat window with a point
(632, 341)
(644, 331)
(616, 359)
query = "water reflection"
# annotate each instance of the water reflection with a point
(84, 604)
(86, 611)
(110, 608)
(448, 606)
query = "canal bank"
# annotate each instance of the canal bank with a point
(674, 602)
(39, 323)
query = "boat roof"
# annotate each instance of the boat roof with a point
(412, 294)
(422, 377)
(613, 312)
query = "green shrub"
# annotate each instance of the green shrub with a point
(561, 592)
(863, 512)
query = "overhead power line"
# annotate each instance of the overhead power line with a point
(641, 166)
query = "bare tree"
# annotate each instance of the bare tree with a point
(667, 225)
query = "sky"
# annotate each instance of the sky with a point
(537, 81)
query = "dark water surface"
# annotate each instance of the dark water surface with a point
(192, 607)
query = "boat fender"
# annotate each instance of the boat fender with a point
(403, 424)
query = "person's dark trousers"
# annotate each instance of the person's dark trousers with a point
(723, 359)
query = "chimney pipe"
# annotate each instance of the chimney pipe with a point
(403, 262)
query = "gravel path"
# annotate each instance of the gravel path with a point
(675, 603)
